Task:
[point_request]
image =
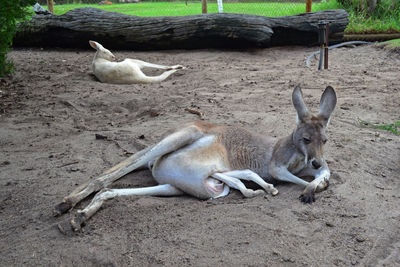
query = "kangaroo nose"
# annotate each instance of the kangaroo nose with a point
(316, 164)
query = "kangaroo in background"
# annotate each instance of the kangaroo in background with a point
(128, 71)
(205, 161)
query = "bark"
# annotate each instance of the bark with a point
(118, 31)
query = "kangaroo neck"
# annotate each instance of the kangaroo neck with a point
(286, 150)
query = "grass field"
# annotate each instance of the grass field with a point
(385, 18)
(178, 8)
(358, 23)
(390, 127)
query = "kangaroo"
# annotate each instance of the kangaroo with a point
(128, 71)
(205, 161)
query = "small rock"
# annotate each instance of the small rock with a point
(329, 224)
(154, 114)
(276, 252)
(287, 259)
(100, 137)
(360, 239)
(5, 163)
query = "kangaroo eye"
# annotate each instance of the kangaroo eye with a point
(306, 140)
(324, 141)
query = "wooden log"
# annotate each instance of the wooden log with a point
(118, 31)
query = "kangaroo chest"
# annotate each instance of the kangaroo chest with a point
(296, 163)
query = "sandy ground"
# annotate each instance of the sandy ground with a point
(52, 109)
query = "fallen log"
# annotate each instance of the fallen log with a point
(118, 31)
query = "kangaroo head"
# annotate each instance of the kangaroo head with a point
(101, 51)
(309, 136)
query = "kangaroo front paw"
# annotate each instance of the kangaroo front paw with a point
(259, 192)
(322, 186)
(253, 193)
(274, 191)
(307, 197)
(271, 189)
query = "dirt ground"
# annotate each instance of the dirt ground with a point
(52, 109)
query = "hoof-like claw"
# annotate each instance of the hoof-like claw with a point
(70, 226)
(308, 197)
(78, 221)
(177, 67)
(322, 186)
(62, 208)
(65, 227)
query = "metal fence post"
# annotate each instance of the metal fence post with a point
(326, 46)
(220, 6)
(323, 33)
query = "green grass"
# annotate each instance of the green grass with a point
(390, 127)
(362, 24)
(391, 45)
(149, 9)
(384, 19)
(395, 43)
(359, 23)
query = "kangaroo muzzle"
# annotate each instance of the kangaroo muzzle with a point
(316, 164)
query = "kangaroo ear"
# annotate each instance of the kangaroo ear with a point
(94, 44)
(298, 103)
(327, 103)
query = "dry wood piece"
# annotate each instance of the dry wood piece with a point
(120, 31)
(197, 112)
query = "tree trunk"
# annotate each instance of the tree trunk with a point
(118, 31)
(308, 5)
(50, 6)
(204, 6)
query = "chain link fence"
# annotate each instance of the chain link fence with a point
(271, 8)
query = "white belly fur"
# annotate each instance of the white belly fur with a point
(188, 168)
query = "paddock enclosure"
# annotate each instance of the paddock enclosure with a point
(60, 127)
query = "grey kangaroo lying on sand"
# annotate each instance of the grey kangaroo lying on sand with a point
(205, 161)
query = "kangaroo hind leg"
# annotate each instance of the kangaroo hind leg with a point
(143, 78)
(141, 159)
(143, 64)
(105, 194)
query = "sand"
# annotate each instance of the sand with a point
(53, 107)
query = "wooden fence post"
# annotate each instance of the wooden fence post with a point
(308, 5)
(50, 6)
(204, 6)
